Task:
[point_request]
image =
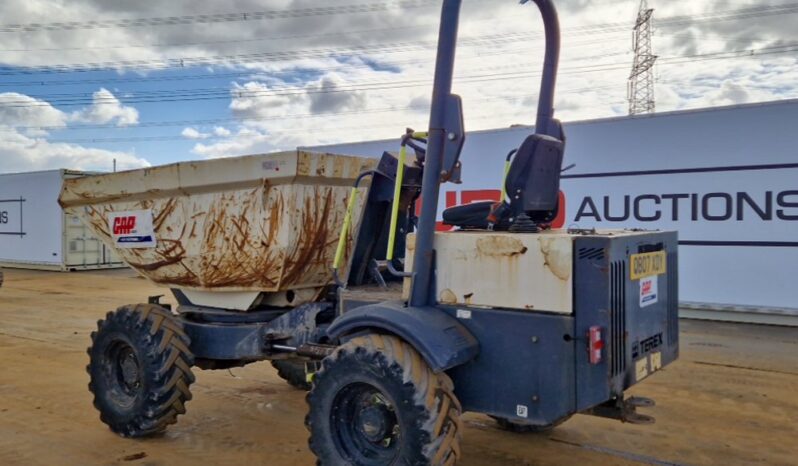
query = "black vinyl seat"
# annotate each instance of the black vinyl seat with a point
(472, 216)
(532, 185)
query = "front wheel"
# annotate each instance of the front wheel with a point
(376, 402)
(140, 370)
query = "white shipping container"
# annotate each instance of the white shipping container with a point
(725, 178)
(35, 233)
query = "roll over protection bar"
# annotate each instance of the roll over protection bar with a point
(444, 111)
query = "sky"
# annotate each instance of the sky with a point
(87, 82)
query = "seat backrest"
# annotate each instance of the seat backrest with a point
(533, 181)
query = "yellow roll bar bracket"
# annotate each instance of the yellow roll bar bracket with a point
(397, 192)
(342, 239)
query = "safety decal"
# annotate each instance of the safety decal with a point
(648, 291)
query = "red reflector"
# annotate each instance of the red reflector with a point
(596, 344)
(599, 345)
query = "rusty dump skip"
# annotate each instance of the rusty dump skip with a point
(255, 223)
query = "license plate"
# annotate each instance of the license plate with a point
(647, 264)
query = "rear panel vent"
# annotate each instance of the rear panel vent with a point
(591, 253)
(673, 299)
(617, 350)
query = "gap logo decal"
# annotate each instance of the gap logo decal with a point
(132, 229)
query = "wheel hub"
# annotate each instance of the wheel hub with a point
(129, 373)
(375, 422)
(130, 370)
(366, 426)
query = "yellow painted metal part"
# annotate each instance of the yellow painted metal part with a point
(506, 171)
(647, 264)
(397, 190)
(339, 252)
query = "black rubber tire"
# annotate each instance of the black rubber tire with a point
(292, 372)
(422, 403)
(522, 427)
(152, 340)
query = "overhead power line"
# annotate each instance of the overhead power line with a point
(271, 56)
(218, 17)
(242, 91)
(221, 121)
(191, 95)
(337, 130)
(254, 73)
(185, 123)
(741, 13)
(220, 42)
(223, 93)
(754, 11)
(260, 57)
(207, 123)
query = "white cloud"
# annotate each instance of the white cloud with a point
(255, 99)
(245, 141)
(23, 112)
(106, 108)
(25, 124)
(221, 131)
(20, 152)
(327, 97)
(192, 133)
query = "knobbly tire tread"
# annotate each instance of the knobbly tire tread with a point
(293, 373)
(162, 347)
(437, 409)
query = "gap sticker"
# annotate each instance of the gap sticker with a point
(132, 229)
(648, 291)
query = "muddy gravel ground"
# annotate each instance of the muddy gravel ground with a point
(732, 398)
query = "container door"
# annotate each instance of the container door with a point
(82, 249)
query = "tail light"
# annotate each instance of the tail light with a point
(596, 344)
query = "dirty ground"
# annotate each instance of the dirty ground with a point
(732, 399)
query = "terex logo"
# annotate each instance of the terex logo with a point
(124, 225)
(477, 195)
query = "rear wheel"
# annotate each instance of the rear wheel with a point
(140, 369)
(376, 402)
(292, 372)
(522, 427)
